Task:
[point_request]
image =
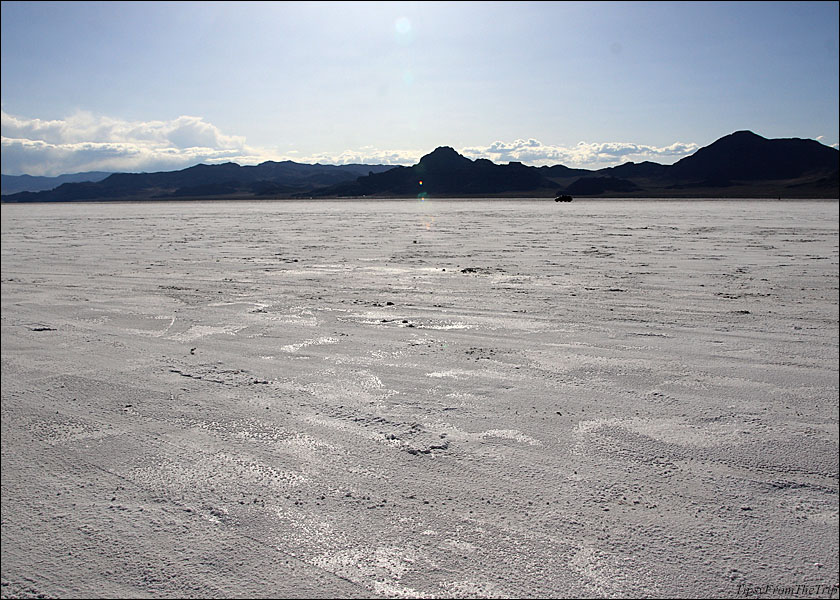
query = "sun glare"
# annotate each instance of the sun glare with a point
(403, 31)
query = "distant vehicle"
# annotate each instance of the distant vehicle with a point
(563, 198)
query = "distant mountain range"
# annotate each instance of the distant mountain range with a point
(12, 184)
(228, 180)
(739, 165)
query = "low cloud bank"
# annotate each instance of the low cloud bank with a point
(86, 142)
(584, 155)
(532, 152)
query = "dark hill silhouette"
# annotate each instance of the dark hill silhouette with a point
(595, 186)
(444, 159)
(740, 165)
(636, 170)
(743, 155)
(563, 172)
(444, 172)
(227, 179)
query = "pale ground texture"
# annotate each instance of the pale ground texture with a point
(420, 399)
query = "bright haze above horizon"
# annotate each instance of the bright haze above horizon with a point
(148, 86)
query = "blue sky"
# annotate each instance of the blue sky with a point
(123, 86)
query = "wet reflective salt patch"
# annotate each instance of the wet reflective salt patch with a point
(401, 270)
(457, 323)
(442, 325)
(387, 354)
(465, 374)
(510, 434)
(294, 319)
(453, 374)
(258, 305)
(368, 381)
(331, 269)
(365, 381)
(143, 325)
(306, 343)
(367, 319)
(295, 315)
(670, 431)
(463, 400)
(407, 321)
(199, 331)
(528, 324)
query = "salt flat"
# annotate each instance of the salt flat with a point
(419, 399)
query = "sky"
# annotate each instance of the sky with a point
(158, 86)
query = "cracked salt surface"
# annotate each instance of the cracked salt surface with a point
(604, 400)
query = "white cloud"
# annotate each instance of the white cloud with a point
(583, 155)
(183, 132)
(365, 156)
(36, 157)
(531, 152)
(84, 142)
